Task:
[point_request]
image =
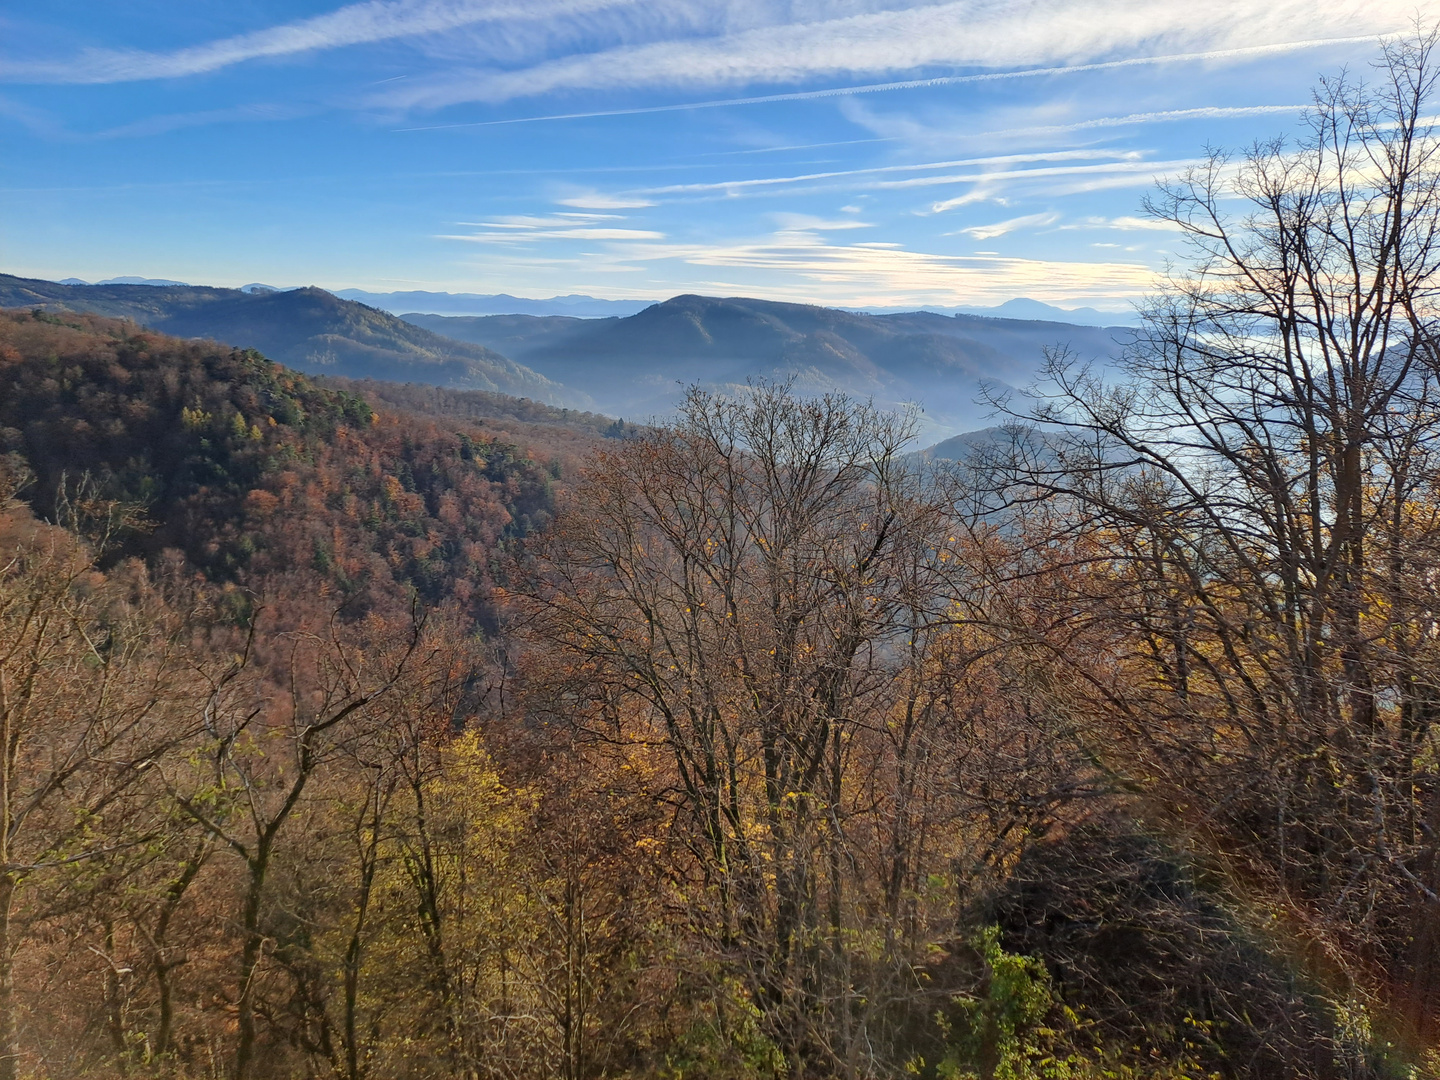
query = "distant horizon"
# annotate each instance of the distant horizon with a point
(135, 279)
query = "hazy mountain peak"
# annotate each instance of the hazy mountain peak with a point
(637, 365)
(576, 305)
(308, 329)
(134, 281)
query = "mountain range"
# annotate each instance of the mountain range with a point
(1022, 307)
(121, 281)
(307, 329)
(444, 303)
(441, 303)
(633, 366)
(590, 307)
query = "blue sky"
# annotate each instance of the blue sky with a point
(849, 152)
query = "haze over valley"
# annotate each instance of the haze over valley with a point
(637, 366)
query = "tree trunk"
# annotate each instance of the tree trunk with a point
(9, 1049)
(249, 962)
(115, 1003)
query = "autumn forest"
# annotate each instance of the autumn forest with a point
(353, 729)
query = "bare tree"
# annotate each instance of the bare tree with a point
(760, 590)
(1261, 484)
(95, 689)
(263, 759)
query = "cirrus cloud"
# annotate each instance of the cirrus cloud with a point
(964, 33)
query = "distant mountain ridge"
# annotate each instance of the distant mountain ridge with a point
(589, 307)
(1022, 307)
(579, 305)
(438, 303)
(308, 329)
(634, 366)
(121, 281)
(444, 303)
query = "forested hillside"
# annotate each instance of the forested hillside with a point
(251, 470)
(563, 435)
(308, 329)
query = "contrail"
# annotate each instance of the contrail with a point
(914, 84)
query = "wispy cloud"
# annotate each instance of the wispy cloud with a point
(805, 265)
(843, 92)
(45, 124)
(354, 24)
(996, 161)
(1162, 116)
(595, 200)
(1074, 35)
(35, 120)
(788, 222)
(1073, 178)
(902, 127)
(160, 125)
(1000, 228)
(1125, 223)
(529, 228)
(586, 233)
(1041, 172)
(986, 184)
(759, 41)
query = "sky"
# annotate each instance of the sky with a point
(858, 153)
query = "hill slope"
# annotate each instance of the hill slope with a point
(307, 329)
(635, 365)
(259, 475)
